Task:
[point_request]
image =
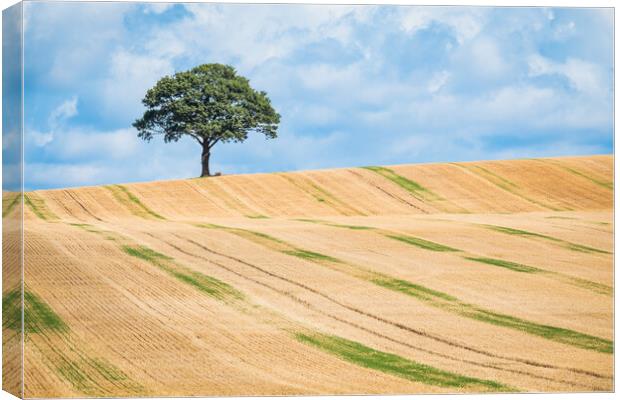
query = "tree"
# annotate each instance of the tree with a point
(209, 103)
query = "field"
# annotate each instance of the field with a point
(431, 278)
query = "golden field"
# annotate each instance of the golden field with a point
(431, 278)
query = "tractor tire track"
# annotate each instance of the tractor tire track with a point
(400, 199)
(375, 317)
(74, 198)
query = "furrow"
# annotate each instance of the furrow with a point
(431, 297)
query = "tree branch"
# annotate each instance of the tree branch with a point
(213, 143)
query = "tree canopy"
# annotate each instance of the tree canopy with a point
(209, 103)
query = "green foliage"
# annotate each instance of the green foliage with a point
(209, 103)
(357, 353)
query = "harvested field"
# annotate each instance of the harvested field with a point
(436, 278)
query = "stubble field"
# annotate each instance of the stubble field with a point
(458, 277)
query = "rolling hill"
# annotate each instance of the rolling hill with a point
(430, 278)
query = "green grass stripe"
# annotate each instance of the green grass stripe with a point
(257, 216)
(560, 335)
(95, 376)
(38, 207)
(12, 310)
(328, 223)
(108, 235)
(412, 289)
(451, 304)
(505, 184)
(74, 373)
(320, 194)
(38, 316)
(393, 364)
(125, 197)
(418, 191)
(569, 245)
(506, 264)
(92, 376)
(414, 241)
(246, 233)
(86, 227)
(501, 181)
(206, 284)
(275, 244)
(11, 205)
(579, 282)
(519, 232)
(422, 243)
(593, 286)
(310, 255)
(606, 185)
(583, 249)
(437, 298)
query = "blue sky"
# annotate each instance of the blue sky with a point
(355, 85)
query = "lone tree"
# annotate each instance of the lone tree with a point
(210, 103)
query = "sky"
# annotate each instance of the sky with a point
(354, 85)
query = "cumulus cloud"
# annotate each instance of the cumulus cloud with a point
(583, 76)
(63, 112)
(355, 85)
(56, 119)
(130, 75)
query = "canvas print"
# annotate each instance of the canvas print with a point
(205, 199)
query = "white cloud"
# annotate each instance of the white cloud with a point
(380, 91)
(55, 121)
(39, 139)
(83, 144)
(157, 8)
(129, 77)
(466, 22)
(438, 80)
(60, 175)
(583, 76)
(487, 58)
(289, 151)
(63, 112)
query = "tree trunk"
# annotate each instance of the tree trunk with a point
(206, 153)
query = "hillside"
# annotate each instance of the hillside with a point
(456, 277)
(560, 184)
